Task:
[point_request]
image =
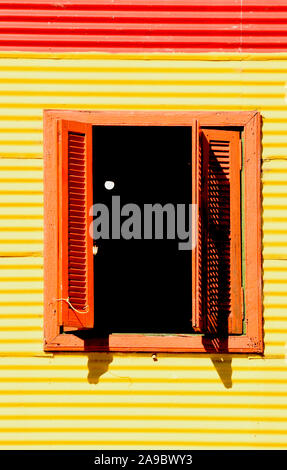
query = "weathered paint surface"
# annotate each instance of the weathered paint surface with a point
(128, 400)
(139, 25)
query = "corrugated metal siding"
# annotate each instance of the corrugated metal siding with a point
(138, 25)
(118, 400)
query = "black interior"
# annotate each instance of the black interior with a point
(142, 286)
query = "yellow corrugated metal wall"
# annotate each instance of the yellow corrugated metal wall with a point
(127, 400)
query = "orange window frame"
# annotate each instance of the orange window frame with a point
(252, 340)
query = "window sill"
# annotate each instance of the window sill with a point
(156, 343)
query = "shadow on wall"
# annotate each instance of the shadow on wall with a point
(223, 367)
(98, 364)
(216, 262)
(221, 362)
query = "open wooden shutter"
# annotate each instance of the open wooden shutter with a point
(198, 316)
(76, 284)
(221, 219)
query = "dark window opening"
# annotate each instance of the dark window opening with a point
(142, 286)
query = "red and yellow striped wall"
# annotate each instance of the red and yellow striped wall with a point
(125, 401)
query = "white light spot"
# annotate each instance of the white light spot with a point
(109, 185)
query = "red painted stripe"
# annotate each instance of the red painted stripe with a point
(144, 25)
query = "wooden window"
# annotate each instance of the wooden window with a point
(225, 264)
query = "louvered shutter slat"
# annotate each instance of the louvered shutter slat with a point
(76, 284)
